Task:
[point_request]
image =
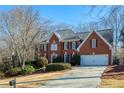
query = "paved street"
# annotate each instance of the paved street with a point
(78, 77)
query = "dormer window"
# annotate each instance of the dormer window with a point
(94, 43)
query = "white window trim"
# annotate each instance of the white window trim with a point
(73, 45)
(53, 47)
(93, 43)
(65, 45)
(65, 57)
(53, 56)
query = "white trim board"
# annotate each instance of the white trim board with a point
(89, 36)
(59, 37)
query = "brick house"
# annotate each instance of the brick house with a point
(95, 47)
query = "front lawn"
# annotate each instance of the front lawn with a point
(34, 74)
(40, 78)
(113, 77)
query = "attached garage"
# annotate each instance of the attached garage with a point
(95, 50)
(94, 60)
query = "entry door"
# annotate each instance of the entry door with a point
(53, 56)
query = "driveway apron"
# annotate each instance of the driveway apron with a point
(78, 77)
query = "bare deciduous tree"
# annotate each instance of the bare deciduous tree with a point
(21, 26)
(111, 17)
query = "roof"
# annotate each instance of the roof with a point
(106, 33)
(46, 37)
(67, 34)
(99, 36)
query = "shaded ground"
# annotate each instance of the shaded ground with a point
(31, 81)
(113, 76)
(78, 77)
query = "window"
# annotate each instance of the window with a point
(45, 47)
(93, 43)
(53, 46)
(65, 45)
(76, 45)
(73, 45)
(65, 57)
(53, 56)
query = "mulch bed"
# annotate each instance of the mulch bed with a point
(114, 72)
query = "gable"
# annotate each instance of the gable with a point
(54, 38)
(94, 35)
(106, 33)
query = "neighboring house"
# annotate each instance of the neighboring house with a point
(95, 47)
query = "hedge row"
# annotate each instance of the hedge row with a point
(58, 66)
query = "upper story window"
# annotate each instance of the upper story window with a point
(65, 45)
(45, 47)
(94, 43)
(73, 45)
(53, 46)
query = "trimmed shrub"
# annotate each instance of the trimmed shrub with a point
(29, 62)
(1, 67)
(58, 59)
(75, 60)
(2, 75)
(14, 71)
(27, 70)
(42, 62)
(6, 67)
(58, 66)
(32, 63)
(116, 61)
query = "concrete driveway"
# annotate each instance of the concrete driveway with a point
(78, 77)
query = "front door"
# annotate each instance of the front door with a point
(65, 57)
(53, 56)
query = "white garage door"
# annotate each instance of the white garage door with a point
(94, 60)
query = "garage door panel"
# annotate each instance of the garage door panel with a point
(94, 60)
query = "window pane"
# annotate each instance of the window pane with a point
(65, 45)
(93, 43)
(73, 45)
(54, 47)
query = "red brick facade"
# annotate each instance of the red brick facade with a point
(102, 47)
(85, 49)
(60, 48)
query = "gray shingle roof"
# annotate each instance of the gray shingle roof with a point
(106, 33)
(68, 34)
(46, 37)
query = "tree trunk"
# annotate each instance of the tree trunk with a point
(24, 59)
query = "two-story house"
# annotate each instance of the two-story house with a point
(95, 47)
